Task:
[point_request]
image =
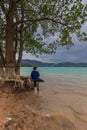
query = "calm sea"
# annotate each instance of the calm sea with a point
(58, 80)
(61, 75)
(72, 78)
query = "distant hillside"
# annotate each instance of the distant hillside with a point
(70, 64)
(26, 62)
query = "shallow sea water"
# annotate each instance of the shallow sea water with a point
(64, 93)
(58, 80)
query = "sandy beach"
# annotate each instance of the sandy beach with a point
(18, 111)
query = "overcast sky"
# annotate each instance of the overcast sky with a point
(77, 53)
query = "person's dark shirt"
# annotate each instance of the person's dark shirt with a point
(35, 75)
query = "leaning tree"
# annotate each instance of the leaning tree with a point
(26, 25)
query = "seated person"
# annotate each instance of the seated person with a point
(35, 76)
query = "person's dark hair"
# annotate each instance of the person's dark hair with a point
(35, 67)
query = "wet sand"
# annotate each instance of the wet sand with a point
(27, 110)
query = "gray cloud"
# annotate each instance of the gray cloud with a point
(77, 53)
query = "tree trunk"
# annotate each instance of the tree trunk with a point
(17, 69)
(1, 68)
(2, 63)
(10, 60)
(2, 59)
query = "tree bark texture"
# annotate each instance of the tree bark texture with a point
(10, 61)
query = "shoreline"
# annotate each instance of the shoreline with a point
(16, 114)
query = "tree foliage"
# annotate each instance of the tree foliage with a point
(38, 20)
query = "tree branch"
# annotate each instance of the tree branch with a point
(40, 19)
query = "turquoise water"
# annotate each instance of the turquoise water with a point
(59, 81)
(57, 70)
(55, 73)
(61, 78)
